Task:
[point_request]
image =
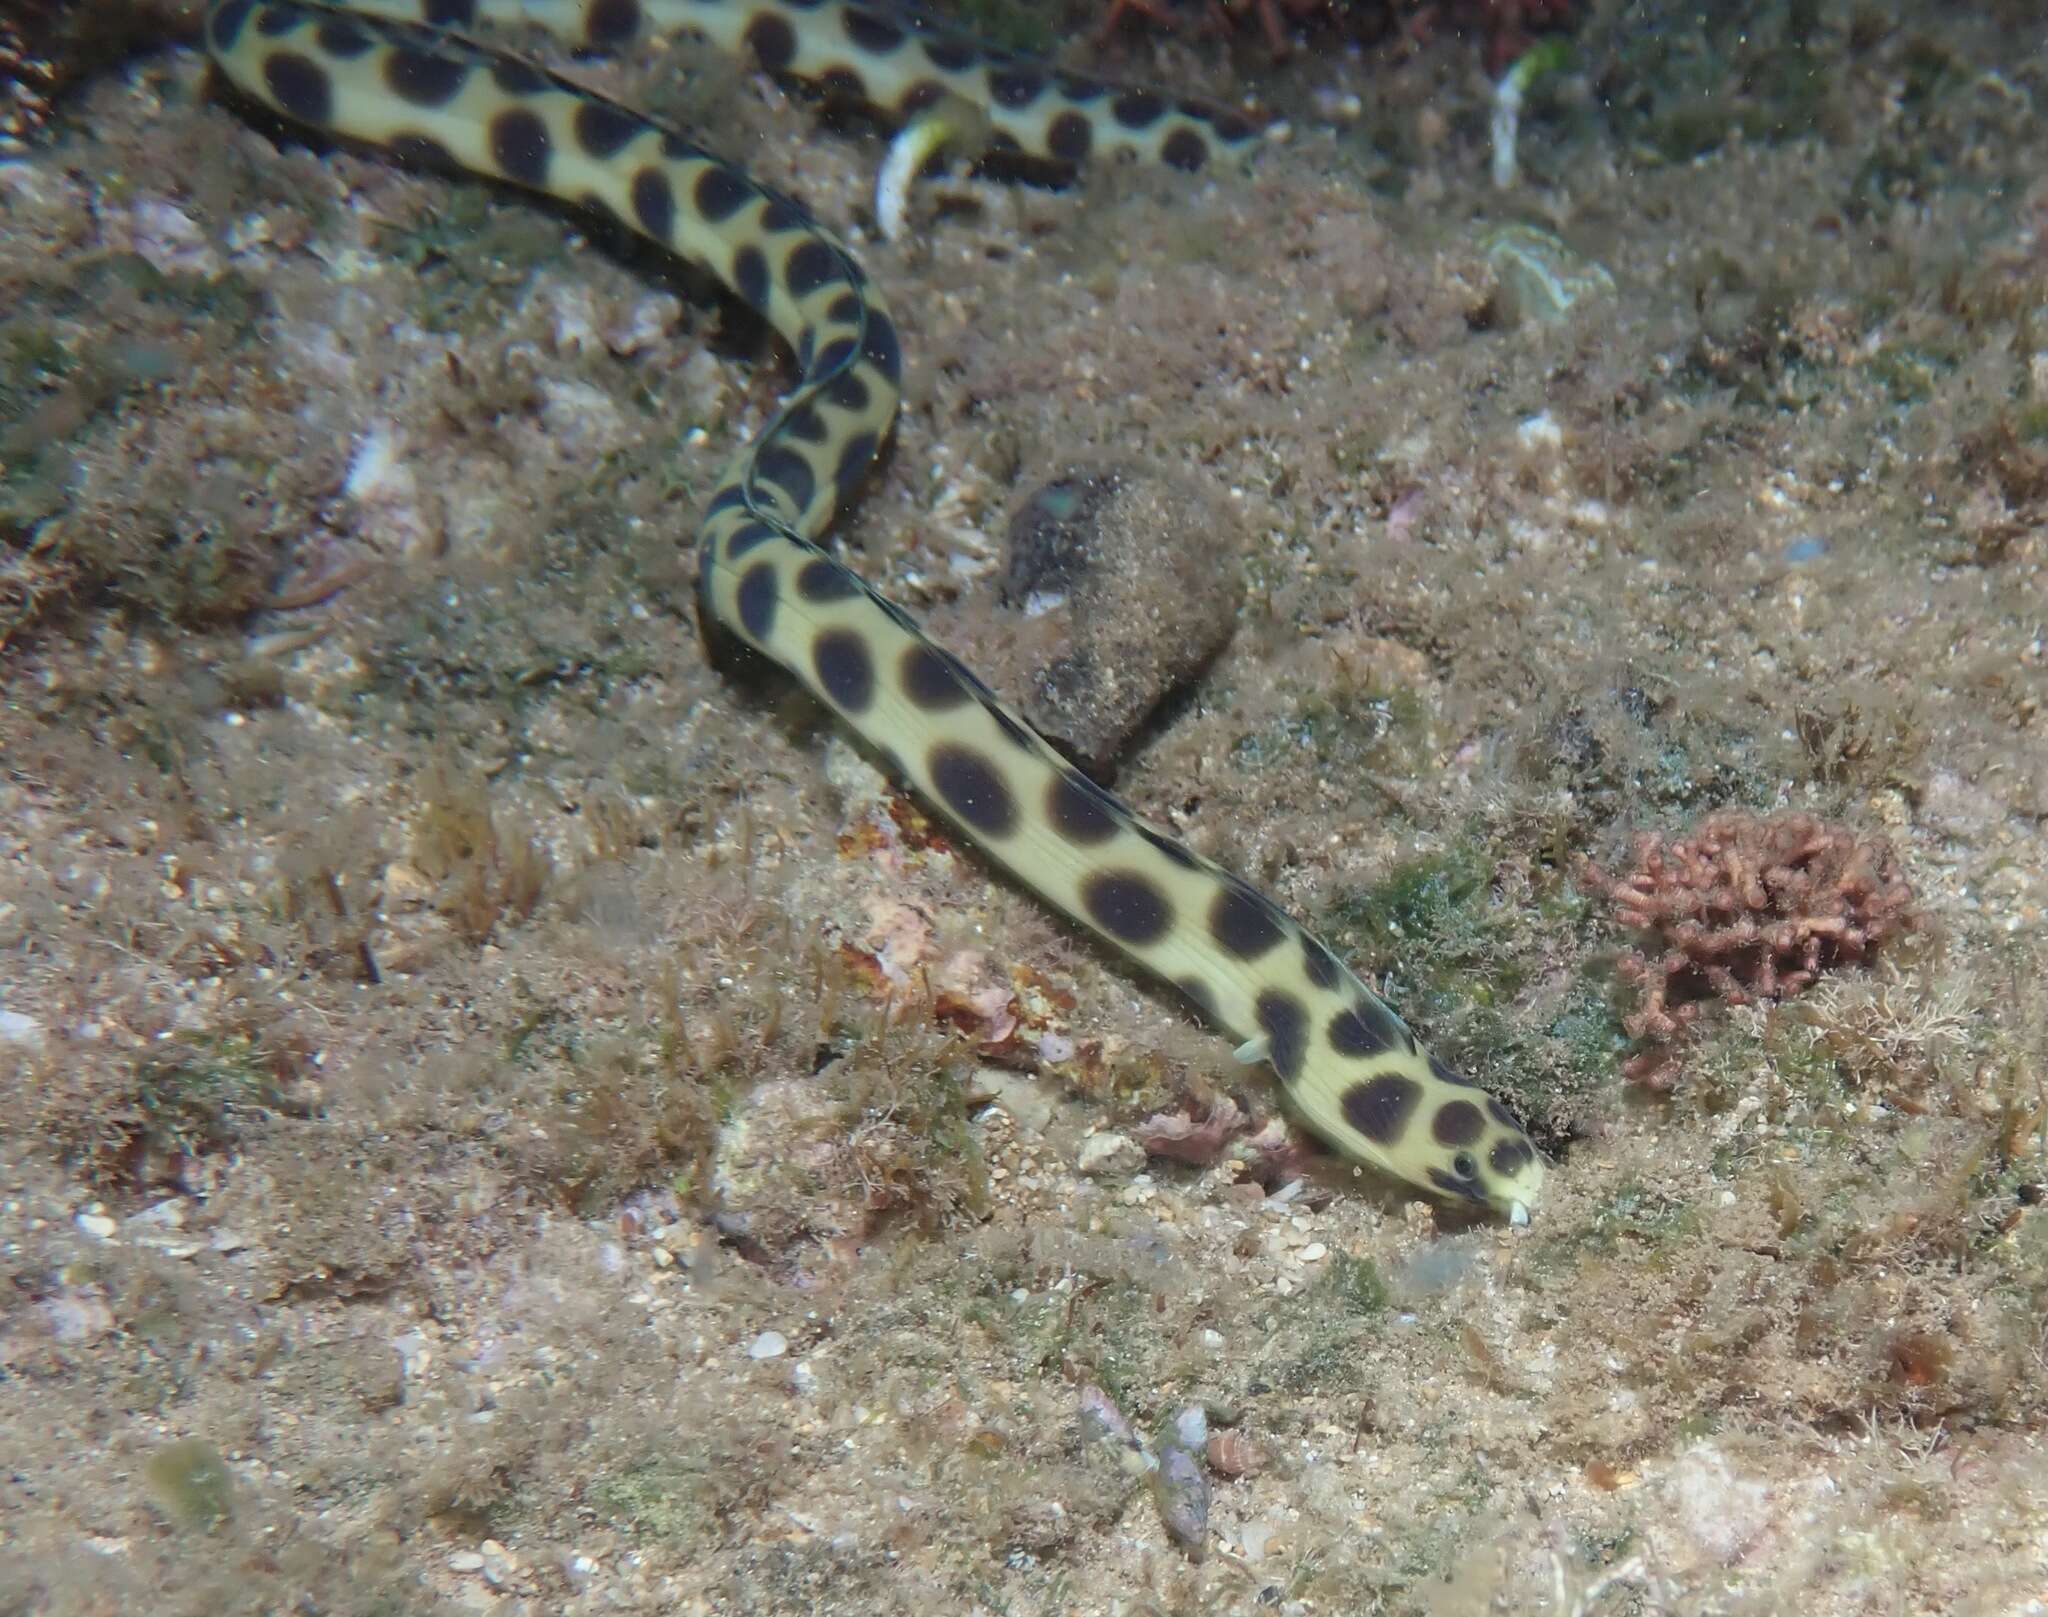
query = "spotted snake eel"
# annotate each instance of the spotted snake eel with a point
(394, 75)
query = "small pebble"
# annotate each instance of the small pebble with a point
(768, 1345)
(77, 1317)
(189, 1479)
(1314, 1252)
(1095, 626)
(1434, 1270)
(1540, 278)
(1110, 1154)
(98, 1225)
(1028, 1103)
(168, 1214)
(499, 1563)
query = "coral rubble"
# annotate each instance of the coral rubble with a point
(1745, 909)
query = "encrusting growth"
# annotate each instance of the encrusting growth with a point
(1745, 909)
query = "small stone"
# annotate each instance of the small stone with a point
(77, 1317)
(1538, 276)
(1097, 622)
(190, 1480)
(406, 884)
(578, 1569)
(98, 1226)
(466, 1561)
(169, 240)
(1254, 1539)
(1958, 807)
(499, 1563)
(768, 1345)
(414, 1354)
(1110, 1155)
(1314, 1252)
(1028, 1102)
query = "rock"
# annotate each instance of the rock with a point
(578, 1570)
(1025, 1099)
(1119, 587)
(1958, 807)
(1539, 278)
(1722, 1511)
(189, 1479)
(168, 1214)
(499, 1564)
(77, 1317)
(1112, 1155)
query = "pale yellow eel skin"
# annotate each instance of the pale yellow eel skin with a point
(396, 77)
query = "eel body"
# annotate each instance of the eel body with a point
(399, 77)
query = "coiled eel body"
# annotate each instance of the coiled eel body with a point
(394, 76)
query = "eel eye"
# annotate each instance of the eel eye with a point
(1464, 1167)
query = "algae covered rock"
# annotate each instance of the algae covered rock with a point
(1122, 585)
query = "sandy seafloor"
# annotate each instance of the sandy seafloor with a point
(476, 1134)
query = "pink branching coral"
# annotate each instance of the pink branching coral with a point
(1744, 909)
